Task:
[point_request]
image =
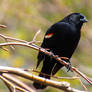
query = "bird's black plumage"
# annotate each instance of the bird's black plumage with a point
(62, 39)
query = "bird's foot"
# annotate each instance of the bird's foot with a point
(69, 67)
(47, 49)
(50, 53)
(65, 58)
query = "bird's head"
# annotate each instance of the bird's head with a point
(76, 18)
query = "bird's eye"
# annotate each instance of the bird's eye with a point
(70, 19)
(81, 17)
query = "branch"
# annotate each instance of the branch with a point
(35, 36)
(10, 38)
(31, 45)
(69, 78)
(17, 82)
(8, 83)
(50, 54)
(6, 38)
(20, 72)
(3, 26)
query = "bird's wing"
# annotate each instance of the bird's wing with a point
(40, 58)
(45, 44)
(49, 38)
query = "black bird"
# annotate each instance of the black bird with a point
(62, 39)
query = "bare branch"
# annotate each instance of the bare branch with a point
(38, 32)
(50, 54)
(84, 87)
(17, 82)
(57, 77)
(6, 83)
(13, 39)
(82, 75)
(12, 84)
(6, 38)
(3, 26)
(20, 72)
(4, 49)
(34, 38)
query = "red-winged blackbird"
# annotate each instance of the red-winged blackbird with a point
(62, 39)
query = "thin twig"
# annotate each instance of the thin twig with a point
(84, 87)
(4, 49)
(11, 47)
(17, 82)
(57, 77)
(6, 83)
(14, 39)
(12, 85)
(3, 26)
(35, 36)
(18, 40)
(82, 75)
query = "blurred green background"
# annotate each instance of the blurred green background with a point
(25, 17)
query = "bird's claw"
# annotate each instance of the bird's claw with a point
(69, 67)
(50, 52)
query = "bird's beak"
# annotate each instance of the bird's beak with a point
(84, 20)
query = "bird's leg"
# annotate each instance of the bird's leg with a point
(64, 58)
(69, 67)
(47, 49)
(51, 53)
(53, 69)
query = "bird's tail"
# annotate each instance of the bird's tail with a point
(45, 72)
(50, 68)
(40, 85)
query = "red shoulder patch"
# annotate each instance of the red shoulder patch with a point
(49, 35)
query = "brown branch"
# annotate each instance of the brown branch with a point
(84, 87)
(20, 72)
(10, 83)
(6, 38)
(6, 83)
(35, 36)
(17, 82)
(10, 38)
(4, 49)
(57, 77)
(50, 54)
(82, 75)
(3, 26)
